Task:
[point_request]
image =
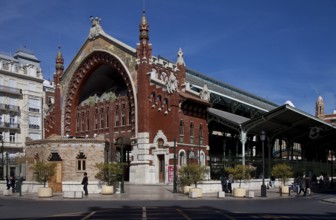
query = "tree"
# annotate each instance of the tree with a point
(191, 174)
(282, 171)
(109, 173)
(43, 171)
(240, 172)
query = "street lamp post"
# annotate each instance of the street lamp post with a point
(199, 145)
(122, 165)
(175, 177)
(224, 149)
(263, 186)
(7, 163)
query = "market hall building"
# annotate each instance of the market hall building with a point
(119, 103)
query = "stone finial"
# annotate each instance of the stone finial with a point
(59, 60)
(180, 60)
(95, 29)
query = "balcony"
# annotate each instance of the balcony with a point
(13, 108)
(13, 126)
(33, 126)
(10, 90)
(33, 109)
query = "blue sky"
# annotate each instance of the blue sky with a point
(279, 50)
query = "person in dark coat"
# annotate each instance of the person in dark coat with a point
(224, 183)
(302, 186)
(12, 183)
(85, 183)
(230, 183)
(8, 183)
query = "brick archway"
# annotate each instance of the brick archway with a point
(77, 82)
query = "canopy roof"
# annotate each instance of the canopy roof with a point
(285, 122)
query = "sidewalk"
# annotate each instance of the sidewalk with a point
(153, 192)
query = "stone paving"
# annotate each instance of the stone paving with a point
(165, 192)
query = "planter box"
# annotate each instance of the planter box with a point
(284, 189)
(44, 192)
(107, 190)
(195, 193)
(186, 189)
(239, 192)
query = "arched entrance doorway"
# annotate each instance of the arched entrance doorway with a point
(100, 102)
(123, 152)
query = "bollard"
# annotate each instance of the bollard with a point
(280, 189)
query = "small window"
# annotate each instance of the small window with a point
(116, 118)
(11, 137)
(191, 133)
(160, 143)
(96, 119)
(181, 131)
(81, 165)
(107, 117)
(87, 120)
(81, 162)
(102, 118)
(77, 122)
(201, 134)
(83, 121)
(123, 119)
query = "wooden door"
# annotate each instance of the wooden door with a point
(55, 182)
(161, 168)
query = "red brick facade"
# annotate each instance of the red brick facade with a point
(149, 97)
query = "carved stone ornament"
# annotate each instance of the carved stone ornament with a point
(95, 29)
(205, 94)
(172, 83)
(160, 135)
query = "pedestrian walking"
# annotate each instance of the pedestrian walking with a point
(272, 181)
(8, 183)
(85, 183)
(302, 186)
(12, 183)
(308, 186)
(231, 180)
(224, 183)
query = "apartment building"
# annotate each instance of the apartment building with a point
(21, 107)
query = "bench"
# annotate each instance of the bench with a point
(73, 194)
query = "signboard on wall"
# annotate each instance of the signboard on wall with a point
(171, 173)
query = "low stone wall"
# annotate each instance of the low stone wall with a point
(32, 187)
(212, 186)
